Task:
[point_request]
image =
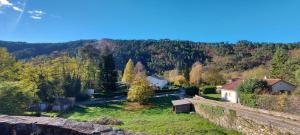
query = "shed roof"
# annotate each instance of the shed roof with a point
(181, 102)
(271, 82)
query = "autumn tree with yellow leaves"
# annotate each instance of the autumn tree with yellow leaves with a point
(140, 90)
(196, 73)
(129, 73)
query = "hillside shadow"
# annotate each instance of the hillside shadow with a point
(163, 102)
(109, 105)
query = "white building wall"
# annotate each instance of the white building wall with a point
(229, 95)
(157, 82)
(90, 92)
(282, 86)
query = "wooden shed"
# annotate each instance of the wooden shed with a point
(182, 106)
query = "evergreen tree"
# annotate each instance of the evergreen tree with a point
(253, 86)
(178, 67)
(278, 63)
(77, 87)
(186, 74)
(72, 86)
(140, 90)
(128, 74)
(108, 74)
(44, 88)
(68, 89)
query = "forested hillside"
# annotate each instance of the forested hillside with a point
(23, 50)
(162, 55)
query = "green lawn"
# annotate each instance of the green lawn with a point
(212, 96)
(157, 119)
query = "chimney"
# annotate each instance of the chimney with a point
(265, 77)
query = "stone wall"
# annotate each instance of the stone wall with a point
(246, 120)
(23, 125)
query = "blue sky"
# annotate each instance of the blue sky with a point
(196, 20)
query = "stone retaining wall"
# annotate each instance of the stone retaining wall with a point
(23, 125)
(246, 120)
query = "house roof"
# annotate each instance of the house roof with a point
(272, 81)
(232, 85)
(181, 102)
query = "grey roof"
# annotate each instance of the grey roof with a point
(181, 102)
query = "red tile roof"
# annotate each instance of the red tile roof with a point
(272, 81)
(233, 85)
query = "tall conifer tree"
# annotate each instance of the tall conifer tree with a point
(278, 63)
(108, 74)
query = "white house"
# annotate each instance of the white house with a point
(228, 91)
(157, 81)
(278, 86)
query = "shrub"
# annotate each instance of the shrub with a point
(180, 81)
(192, 91)
(98, 95)
(13, 100)
(209, 90)
(248, 100)
(252, 85)
(82, 97)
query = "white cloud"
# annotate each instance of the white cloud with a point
(36, 14)
(17, 9)
(36, 17)
(6, 3)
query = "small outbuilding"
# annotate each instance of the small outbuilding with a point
(278, 86)
(182, 106)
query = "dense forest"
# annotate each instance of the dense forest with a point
(163, 55)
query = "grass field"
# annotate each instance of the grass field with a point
(155, 119)
(212, 96)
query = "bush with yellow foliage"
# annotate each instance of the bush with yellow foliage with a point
(140, 90)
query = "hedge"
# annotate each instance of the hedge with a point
(192, 91)
(209, 90)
